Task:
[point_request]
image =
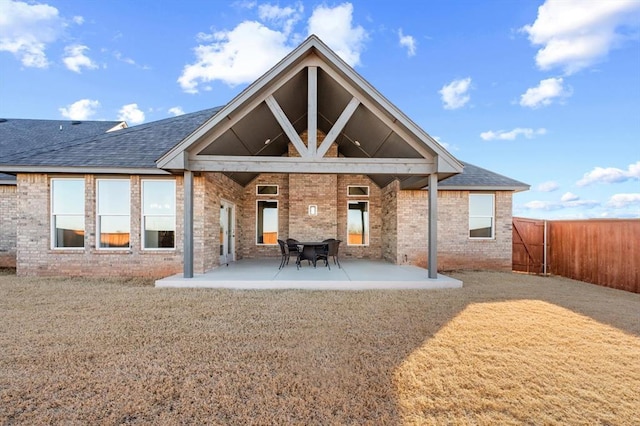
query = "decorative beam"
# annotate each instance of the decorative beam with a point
(338, 126)
(312, 111)
(286, 125)
(433, 226)
(346, 165)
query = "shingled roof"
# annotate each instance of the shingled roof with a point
(18, 135)
(477, 178)
(133, 147)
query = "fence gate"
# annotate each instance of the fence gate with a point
(528, 245)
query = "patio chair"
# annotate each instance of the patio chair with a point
(322, 253)
(333, 247)
(293, 246)
(285, 254)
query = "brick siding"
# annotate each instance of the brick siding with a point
(8, 225)
(36, 257)
(398, 225)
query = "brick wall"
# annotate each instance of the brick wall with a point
(36, 257)
(209, 190)
(374, 249)
(398, 225)
(455, 249)
(8, 224)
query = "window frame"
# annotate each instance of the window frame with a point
(143, 216)
(492, 217)
(367, 224)
(53, 214)
(358, 186)
(277, 222)
(98, 215)
(267, 195)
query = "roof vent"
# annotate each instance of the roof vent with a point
(75, 122)
(3, 120)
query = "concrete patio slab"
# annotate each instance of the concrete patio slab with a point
(355, 274)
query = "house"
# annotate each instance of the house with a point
(310, 150)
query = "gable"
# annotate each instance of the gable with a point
(312, 89)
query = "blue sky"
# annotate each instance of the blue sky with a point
(545, 92)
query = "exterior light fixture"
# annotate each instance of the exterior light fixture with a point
(313, 210)
(267, 141)
(356, 143)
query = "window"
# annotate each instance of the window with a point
(114, 202)
(481, 215)
(356, 191)
(358, 223)
(158, 214)
(267, 189)
(267, 222)
(67, 213)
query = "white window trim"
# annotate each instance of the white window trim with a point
(493, 218)
(358, 186)
(268, 195)
(52, 214)
(368, 223)
(278, 227)
(142, 216)
(98, 224)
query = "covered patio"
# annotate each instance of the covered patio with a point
(355, 274)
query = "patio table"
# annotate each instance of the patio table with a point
(308, 251)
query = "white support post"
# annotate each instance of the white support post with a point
(312, 111)
(188, 224)
(433, 226)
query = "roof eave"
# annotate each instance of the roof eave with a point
(514, 188)
(83, 170)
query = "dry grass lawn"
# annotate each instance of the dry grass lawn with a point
(505, 349)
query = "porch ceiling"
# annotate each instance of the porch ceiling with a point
(363, 136)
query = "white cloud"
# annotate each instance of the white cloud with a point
(131, 114)
(545, 93)
(455, 94)
(283, 17)
(624, 200)
(334, 27)
(549, 186)
(235, 57)
(543, 205)
(75, 58)
(610, 175)
(176, 110)
(567, 201)
(568, 196)
(409, 42)
(26, 29)
(244, 53)
(80, 110)
(575, 34)
(78, 20)
(513, 134)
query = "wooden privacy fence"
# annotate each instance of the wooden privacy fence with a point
(599, 251)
